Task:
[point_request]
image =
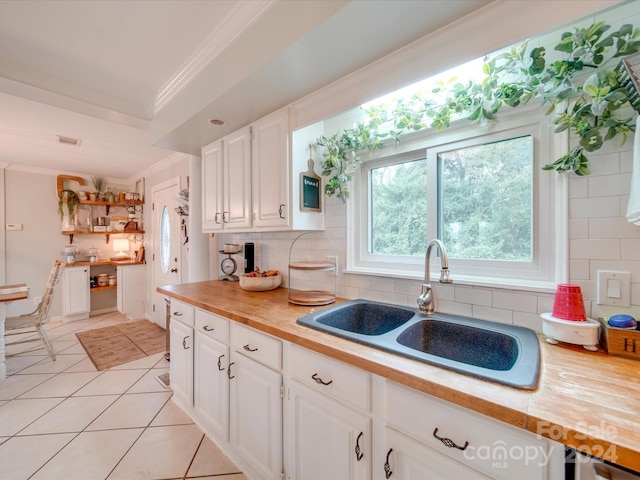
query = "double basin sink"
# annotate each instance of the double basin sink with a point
(505, 354)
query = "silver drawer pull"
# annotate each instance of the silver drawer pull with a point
(249, 349)
(319, 381)
(207, 328)
(177, 314)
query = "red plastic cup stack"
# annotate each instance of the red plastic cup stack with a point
(568, 304)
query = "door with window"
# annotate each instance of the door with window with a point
(166, 243)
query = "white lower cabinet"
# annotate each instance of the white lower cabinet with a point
(211, 382)
(328, 439)
(315, 418)
(451, 434)
(181, 364)
(75, 299)
(211, 385)
(256, 416)
(408, 459)
(130, 297)
(256, 401)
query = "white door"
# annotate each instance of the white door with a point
(166, 244)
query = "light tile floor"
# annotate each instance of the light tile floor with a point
(65, 420)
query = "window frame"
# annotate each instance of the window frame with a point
(550, 207)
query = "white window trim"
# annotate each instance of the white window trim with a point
(550, 238)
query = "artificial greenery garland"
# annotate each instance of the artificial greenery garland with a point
(589, 109)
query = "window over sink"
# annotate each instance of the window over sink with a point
(478, 189)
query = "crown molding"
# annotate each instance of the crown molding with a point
(231, 27)
(159, 166)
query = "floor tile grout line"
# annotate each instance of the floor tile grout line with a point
(193, 457)
(53, 456)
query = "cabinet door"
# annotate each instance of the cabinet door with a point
(407, 459)
(212, 180)
(256, 416)
(325, 438)
(181, 365)
(270, 160)
(211, 387)
(75, 299)
(131, 284)
(237, 180)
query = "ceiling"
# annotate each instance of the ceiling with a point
(137, 80)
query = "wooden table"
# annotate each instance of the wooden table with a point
(8, 293)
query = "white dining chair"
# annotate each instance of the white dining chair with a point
(39, 317)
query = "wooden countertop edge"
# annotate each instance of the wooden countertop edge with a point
(403, 371)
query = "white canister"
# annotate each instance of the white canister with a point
(112, 280)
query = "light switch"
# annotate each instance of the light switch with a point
(614, 288)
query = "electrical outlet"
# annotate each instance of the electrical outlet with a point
(37, 300)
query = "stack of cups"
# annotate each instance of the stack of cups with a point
(568, 304)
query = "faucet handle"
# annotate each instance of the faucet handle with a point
(445, 277)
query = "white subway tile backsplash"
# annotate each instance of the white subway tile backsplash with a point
(579, 228)
(603, 164)
(453, 308)
(604, 185)
(578, 187)
(615, 227)
(631, 249)
(545, 303)
(475, 296)
(528, 320)
(521, 302)
(493, 314)
(579, 269)
(594, 207)
(601, 249)
(383, 284)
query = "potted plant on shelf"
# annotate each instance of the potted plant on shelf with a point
(98, 183)
(68, 216)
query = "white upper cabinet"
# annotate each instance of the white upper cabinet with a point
(270, 151)
(251, 178)
(226, 183)
(212, 187)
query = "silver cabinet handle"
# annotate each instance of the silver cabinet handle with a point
(184, 343)
(207, 328)
(220, 367)
(249, 349)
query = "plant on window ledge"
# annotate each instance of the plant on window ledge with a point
(586, 91)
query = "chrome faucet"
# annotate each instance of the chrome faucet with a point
(426, 300)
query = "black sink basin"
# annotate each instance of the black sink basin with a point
(500, 353)
(365, 318)
(462, 343)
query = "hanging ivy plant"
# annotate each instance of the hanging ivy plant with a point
(589, 108)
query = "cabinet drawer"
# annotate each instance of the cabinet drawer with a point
(257, 345)
(495, 448)
(212, 325)
(331, 377)
(182, 311)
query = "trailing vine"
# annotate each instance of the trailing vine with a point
(591, 109)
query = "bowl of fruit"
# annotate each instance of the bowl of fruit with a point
(260, 281)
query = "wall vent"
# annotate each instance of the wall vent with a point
(68, 140)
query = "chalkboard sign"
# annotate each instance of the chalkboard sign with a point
(310, 188)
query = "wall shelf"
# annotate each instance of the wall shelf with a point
(71, 233)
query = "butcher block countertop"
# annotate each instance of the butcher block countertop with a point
(586, 400)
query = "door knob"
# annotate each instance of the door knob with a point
(174, 270)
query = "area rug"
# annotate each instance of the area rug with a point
(112, 346)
